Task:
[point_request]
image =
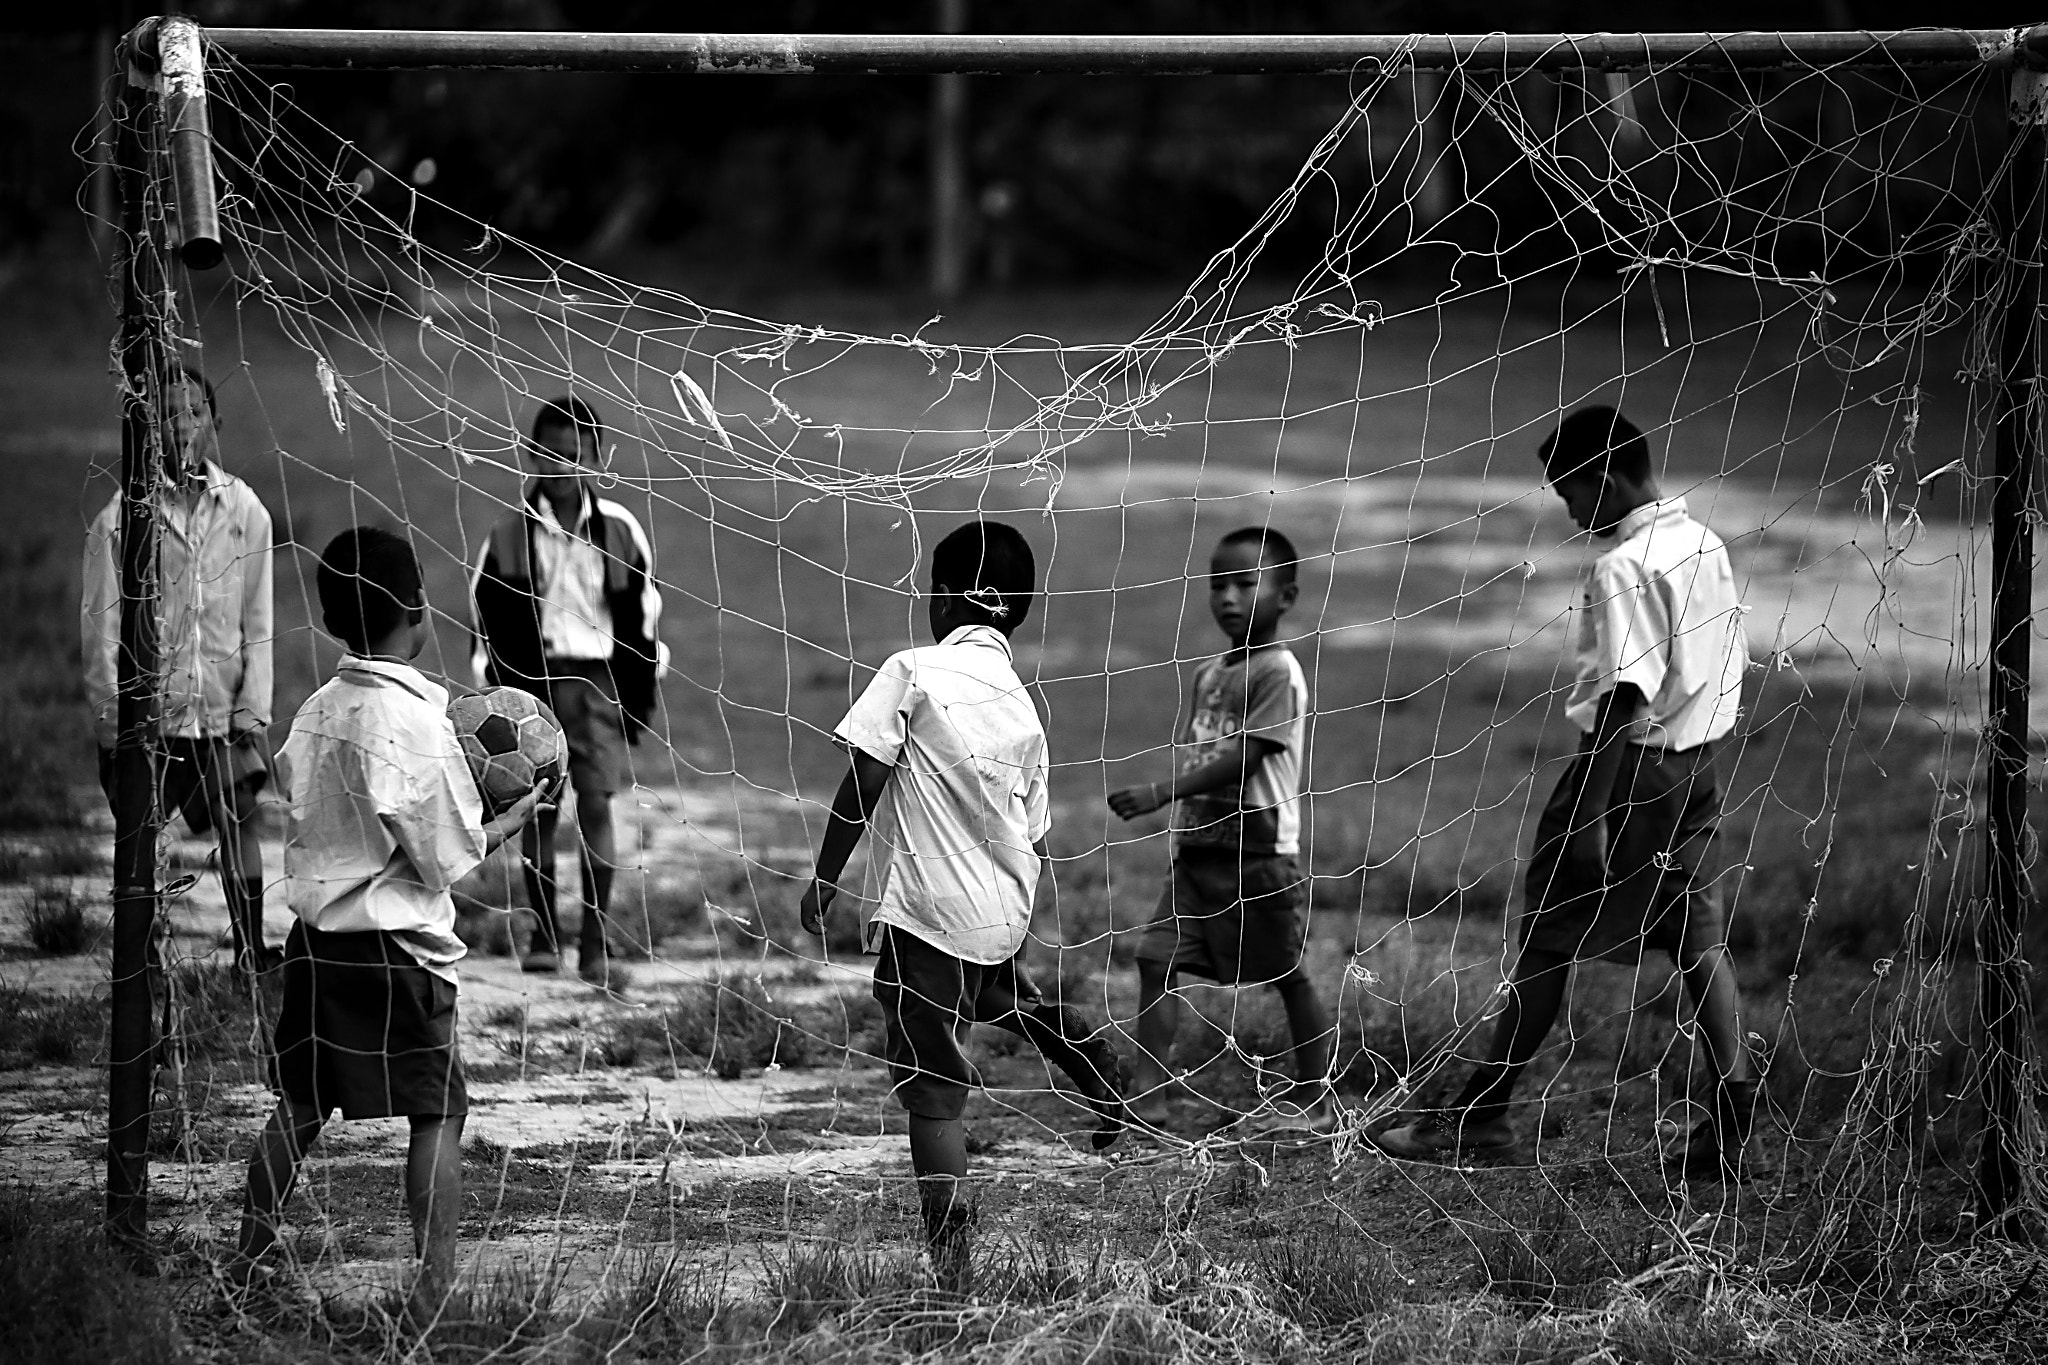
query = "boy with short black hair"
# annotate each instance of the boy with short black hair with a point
(215, 633)
(567, 608)
(949, 768)
(385, 818)
(1625, 852)
(1235, 904)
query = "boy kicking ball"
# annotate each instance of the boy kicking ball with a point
(1234, 905)
(1624, 857)
(949, 771)
(385, 818)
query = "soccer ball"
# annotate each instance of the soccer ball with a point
(512, 741)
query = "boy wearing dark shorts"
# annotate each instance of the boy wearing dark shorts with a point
(567, 608)
(385, 817)
(1235, 905)
(1625, 854)
(949, 770)
(214, 637)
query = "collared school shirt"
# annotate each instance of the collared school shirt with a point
(954, 830)
(568, 576)
(214, 628)
(385, 817)
(1660, 610)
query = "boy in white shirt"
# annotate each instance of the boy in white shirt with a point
(214, 638)
(385, 818)
(1625, 854)
(949, 772)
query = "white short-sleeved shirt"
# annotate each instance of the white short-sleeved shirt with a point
(385, 816)
(954, 830)
(1660, 610)
(1261, 695)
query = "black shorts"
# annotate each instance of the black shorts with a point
(929, 998)
(1663, 864)
(586, 700)
(193, 773)
(365, 1029)
(1237, 918)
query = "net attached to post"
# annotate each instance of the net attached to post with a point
(1791, 281)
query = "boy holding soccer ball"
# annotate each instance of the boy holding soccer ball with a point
(949, 769)
(385, 818)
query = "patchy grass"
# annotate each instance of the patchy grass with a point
(58, 853)
(45, 742)
(37, 1029)
(735, 1025)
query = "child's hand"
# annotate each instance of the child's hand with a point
(816, 905)
(515, 817)
(1132, 802)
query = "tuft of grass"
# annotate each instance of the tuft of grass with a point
(1555, 1260)
(57, 923)
(811, 1280)
(1326, 1275)
(73, 1299)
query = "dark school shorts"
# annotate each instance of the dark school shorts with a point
(1663, 864)
(365, 1029)
(190, 770)
(586, 701)
(929, 998)
(1238, 918)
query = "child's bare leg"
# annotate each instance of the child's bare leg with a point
(433, 1196)
(1158, 1020)
(1309, 1025)
(273, 1168)
(1535, 995)
(1710, 980)
(938, 1153)
(1063, 1037)
(537, 864)
(594, 823)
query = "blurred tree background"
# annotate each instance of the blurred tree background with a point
(827, 179)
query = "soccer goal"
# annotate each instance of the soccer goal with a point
(1805, 267)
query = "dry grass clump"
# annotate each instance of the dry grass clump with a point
(57, 923)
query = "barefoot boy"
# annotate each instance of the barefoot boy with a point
(1234, 908)
(1625, 851)
(567, 609)
(949, 771)
(384, 818)
(214, 630)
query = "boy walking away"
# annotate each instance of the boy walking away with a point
(949, 772)
(567, 609)
(385, 817)
(1235, 905)
(214, 634)
(1625, 850)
